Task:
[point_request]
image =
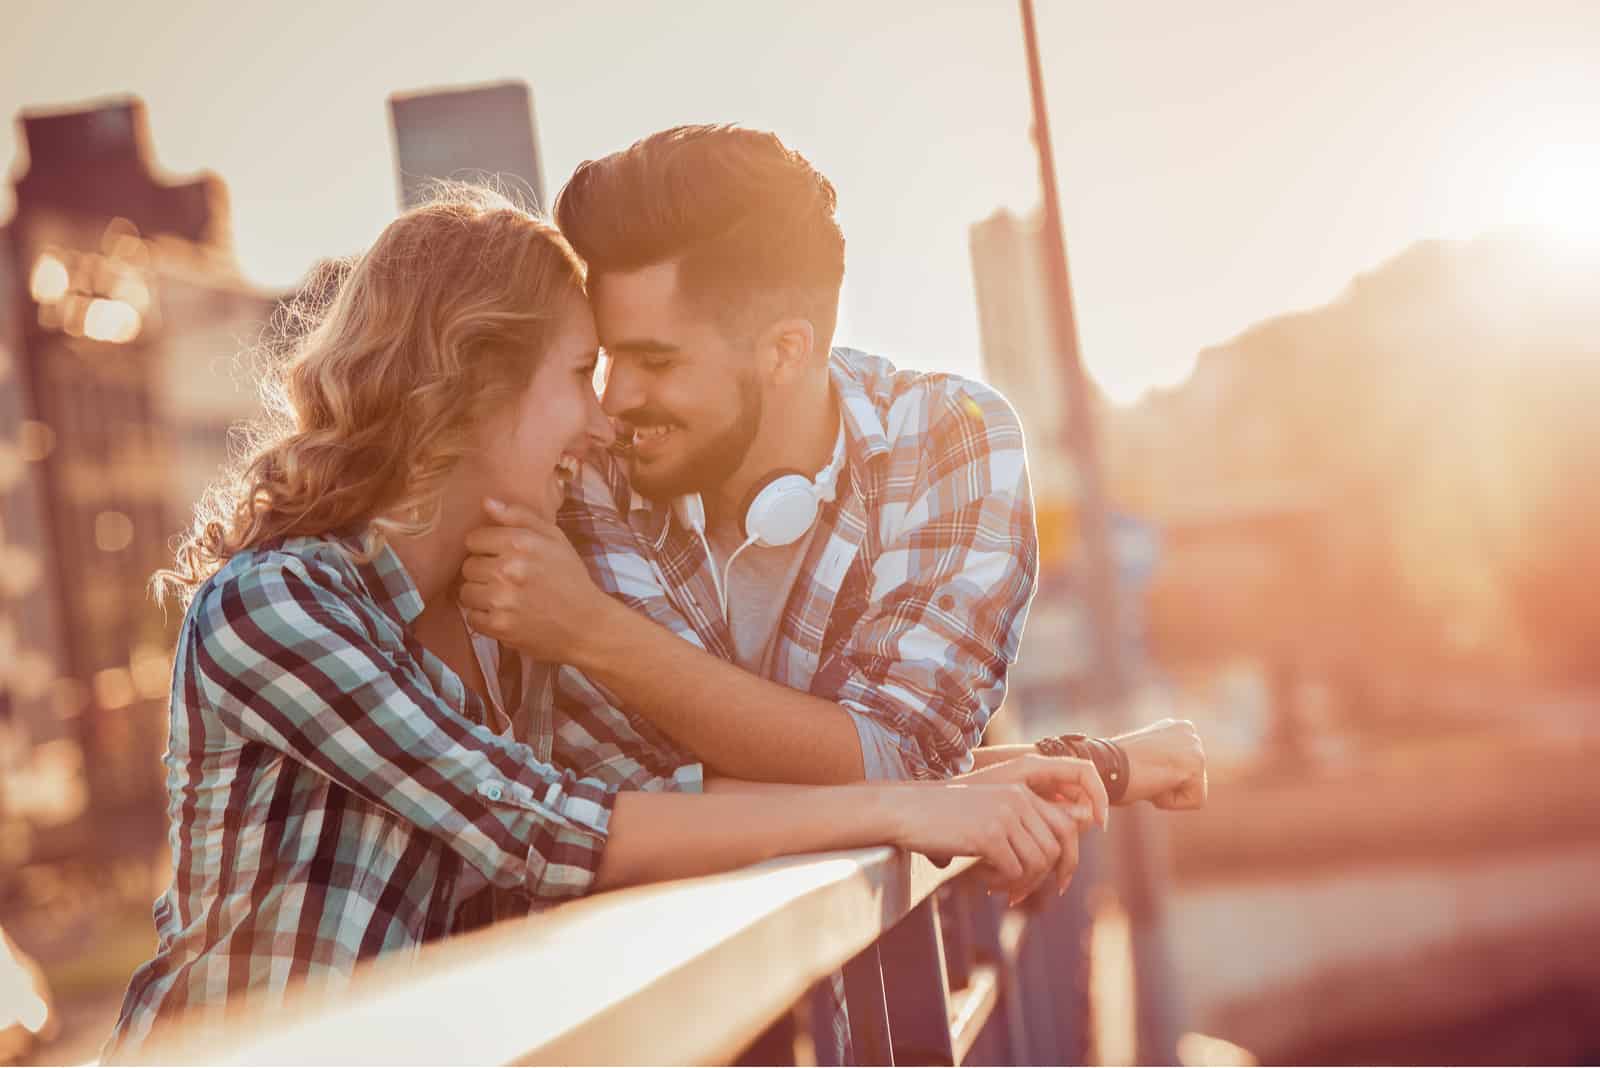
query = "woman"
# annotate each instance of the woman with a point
(342, 770)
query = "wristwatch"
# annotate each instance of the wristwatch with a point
(1109, 759)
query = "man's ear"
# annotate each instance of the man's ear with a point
(789, 344)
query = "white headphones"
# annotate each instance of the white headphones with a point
(778, 511)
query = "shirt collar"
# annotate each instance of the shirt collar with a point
(865, 439)
(386, 578)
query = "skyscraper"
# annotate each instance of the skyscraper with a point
(483, 133)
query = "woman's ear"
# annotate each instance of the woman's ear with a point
(789, 344)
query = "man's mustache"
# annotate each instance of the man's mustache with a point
(625, 425)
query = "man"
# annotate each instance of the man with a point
(869, 640)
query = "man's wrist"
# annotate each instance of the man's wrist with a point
(594, 644)
(1110, 759)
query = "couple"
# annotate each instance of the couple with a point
(760, 560)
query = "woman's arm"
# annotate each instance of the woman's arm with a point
(282, 654)
(1010, 818)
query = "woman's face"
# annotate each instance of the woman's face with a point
(529, 450)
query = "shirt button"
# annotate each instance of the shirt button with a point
(491, 790)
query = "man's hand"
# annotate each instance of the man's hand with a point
(523, 584)
(1166, 765)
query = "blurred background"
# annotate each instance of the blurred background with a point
(1337, 279)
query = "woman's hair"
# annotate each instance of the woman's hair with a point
(383, 365)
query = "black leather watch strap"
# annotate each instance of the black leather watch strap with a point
(1109, 759)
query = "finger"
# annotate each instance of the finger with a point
(1034, 861)
(484, 621)
(1044, 835)
(512, 515)
(502, 541)
(1064, 773)
(1066, 831)
(1069, 859)
(480, 569)
(1076, 804)
(999, 855)
(477, 595)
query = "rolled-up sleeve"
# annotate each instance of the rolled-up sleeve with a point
(924, 667)
(591, 731)
(286, 658)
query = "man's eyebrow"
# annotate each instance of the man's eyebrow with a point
(641, 347)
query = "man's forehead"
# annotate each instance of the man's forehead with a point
(640, 309)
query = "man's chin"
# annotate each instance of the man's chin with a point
(659, 481)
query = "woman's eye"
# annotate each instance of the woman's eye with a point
(656, 363)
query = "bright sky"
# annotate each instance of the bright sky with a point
(1221, 162)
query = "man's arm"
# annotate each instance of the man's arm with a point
(739, 723)
(906, 695)
(923, 668)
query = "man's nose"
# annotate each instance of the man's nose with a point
(623, 393)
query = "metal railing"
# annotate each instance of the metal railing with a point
(715, 970)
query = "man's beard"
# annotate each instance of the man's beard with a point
(712, 463)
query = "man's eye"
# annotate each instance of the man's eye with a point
(656, 363)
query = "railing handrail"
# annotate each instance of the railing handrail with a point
(686, 972)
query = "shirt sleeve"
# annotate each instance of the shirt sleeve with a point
(594, 518)
(593, 735)
(285, 658)
(592, 732)
(924, 666)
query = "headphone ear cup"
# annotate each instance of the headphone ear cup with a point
(779, 509)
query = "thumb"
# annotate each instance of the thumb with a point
(513, 515)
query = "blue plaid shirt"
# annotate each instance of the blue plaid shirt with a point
(329, 787)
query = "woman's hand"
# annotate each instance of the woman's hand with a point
(523, 584)
(1054, 778)
(1022, 821)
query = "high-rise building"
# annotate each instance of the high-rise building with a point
(126, 313)
(483, 134)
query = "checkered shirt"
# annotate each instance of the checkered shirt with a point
(910, 602)
(328, 781)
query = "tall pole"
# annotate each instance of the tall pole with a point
(1138, 846)
(1108, 682)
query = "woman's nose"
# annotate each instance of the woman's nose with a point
(599, 427)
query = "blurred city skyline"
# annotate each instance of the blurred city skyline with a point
(1197, 203)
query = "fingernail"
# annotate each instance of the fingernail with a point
(495, 503)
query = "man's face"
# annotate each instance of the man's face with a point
(688, 392)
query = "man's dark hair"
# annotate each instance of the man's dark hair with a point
(749, 221)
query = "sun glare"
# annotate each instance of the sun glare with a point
(1559, 190)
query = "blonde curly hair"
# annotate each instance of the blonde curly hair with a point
(372, 400)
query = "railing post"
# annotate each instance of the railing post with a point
(986, 914)
(956, 931)
(1034, 965)
(918, 990)
(1067, 927)
(871, 1038)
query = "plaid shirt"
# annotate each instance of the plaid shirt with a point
(328, 782)
(908, 606)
